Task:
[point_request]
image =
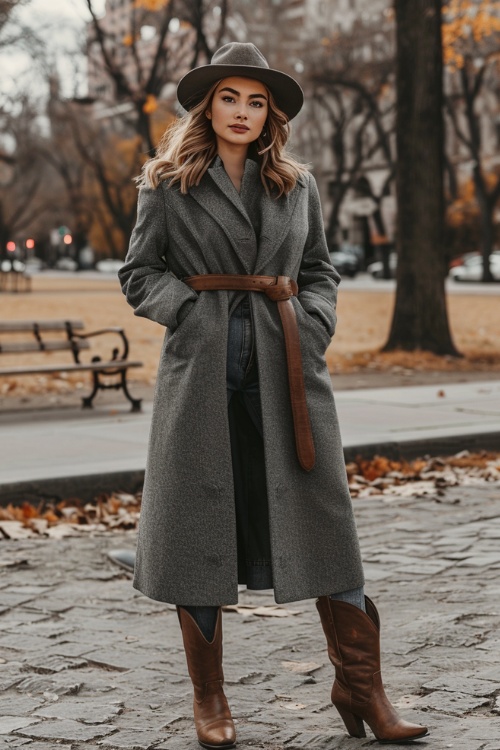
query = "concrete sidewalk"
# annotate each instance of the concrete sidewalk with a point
(88, 663)
(75, 451)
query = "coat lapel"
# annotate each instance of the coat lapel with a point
(225, 206)
(276, 222)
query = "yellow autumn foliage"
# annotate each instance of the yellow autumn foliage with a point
(153, 5)
(465, 22)
(150, 105)
(128, 40)
(465, 208)
(123, 158)
(160, 121)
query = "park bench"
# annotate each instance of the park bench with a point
(14, 280)
(41, 337)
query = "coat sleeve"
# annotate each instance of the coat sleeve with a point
(317, 278)
(150, 288)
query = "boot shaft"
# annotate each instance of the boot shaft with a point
(353, 640)
(204, 658)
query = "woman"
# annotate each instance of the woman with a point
(245, 479)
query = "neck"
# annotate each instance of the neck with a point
(233, 157)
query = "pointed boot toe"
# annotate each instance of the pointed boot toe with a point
(353, 639)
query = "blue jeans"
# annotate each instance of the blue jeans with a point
(242, 379)
(241, 368)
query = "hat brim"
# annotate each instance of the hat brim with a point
(285, 89)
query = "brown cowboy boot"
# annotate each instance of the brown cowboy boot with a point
(353, 639)
(212, 717)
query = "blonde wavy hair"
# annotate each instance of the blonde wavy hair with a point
(189, 145)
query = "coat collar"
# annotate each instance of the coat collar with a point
(249, 182)
(218, 196)
(236, 224)
(276, 216)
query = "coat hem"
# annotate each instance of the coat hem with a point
(167, 599)
(321, 591)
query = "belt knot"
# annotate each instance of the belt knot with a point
(281, 289)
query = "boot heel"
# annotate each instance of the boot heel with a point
(354, 724)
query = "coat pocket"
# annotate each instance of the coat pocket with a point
(313, 325)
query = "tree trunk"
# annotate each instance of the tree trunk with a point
(487, 241)
(420, 318)
(144, 129)
(383, 248)
(486, 211)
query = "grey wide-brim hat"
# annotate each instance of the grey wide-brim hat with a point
(241, 59)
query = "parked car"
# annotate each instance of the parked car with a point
(376, 269)
(66, 264)
(34, 264)
(12, 264)
(346, 263)
(472, 268)
(460, 259)
(109, 265)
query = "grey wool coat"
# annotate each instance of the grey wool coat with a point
(187, 545)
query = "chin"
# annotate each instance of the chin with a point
(242, 138)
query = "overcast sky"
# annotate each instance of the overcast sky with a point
(59, 10)
(60, 23)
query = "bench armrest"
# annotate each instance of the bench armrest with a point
(117, 354)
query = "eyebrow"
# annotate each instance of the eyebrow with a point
(252, 96)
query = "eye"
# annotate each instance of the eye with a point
(257, 104)
(228, 98)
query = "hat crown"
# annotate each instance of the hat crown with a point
(239, 53)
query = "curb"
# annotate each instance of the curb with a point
(87, 487)
(84, 487)
(447, 445)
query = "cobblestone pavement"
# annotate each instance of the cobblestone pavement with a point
(88, 662)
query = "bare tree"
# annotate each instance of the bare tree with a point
(8, 36)
(352, 108)
(471, 34)
(21, 201)
(120, 54)
(97, 168)
(420, 318)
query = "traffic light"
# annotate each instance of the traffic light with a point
(30, 244)
(11, 246)
(67, 239)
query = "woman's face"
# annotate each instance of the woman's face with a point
(239, 109)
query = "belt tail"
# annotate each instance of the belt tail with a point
(304, 442)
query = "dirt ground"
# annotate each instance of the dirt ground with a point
(363, 324)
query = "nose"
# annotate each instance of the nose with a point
(241, 115)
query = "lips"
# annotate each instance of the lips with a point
(239, 128)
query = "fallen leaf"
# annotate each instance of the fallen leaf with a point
(61, 530)
(301, 667)
(14, 563)
(293, 706)
(275, 611)
(39, 525)
(15, 530)
(271, 610)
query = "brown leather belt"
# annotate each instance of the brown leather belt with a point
(279, 289)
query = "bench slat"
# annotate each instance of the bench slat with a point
(15, 326)
(48, 346)
(69, 368)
